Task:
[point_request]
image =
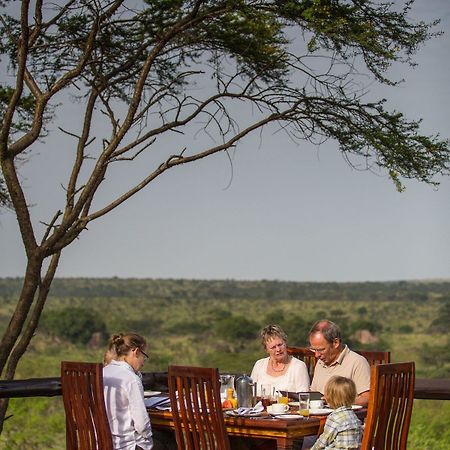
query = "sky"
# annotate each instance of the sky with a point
(283, 211)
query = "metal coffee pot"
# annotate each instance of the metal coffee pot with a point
(245, 391)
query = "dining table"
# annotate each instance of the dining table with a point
(284, 431)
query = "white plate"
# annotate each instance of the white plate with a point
(287, 416)
(320, 411)
(151, 393)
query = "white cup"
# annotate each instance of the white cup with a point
(278, 408)
(316, 404)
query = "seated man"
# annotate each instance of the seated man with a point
(335, 358)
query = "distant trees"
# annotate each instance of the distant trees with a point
(437, 356)
(135, 69)
(74, 324)
(442, 322)
(236, 329)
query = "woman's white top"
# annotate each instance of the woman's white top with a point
(127, 415)
(295, 379)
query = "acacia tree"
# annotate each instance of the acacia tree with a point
(143, 70)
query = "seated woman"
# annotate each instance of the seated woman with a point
(280, 370)
(124, 396)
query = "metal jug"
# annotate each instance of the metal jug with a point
(245, 391)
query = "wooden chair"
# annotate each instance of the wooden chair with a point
(197, 409)
(375, 356)
(390, 406)
(87, 426)
(306, 355)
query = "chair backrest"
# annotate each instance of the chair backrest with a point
(390, 406)
(87, 426)
(197, 409)
(375, 356)
(306, 355)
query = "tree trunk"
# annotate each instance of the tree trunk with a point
(17, 335)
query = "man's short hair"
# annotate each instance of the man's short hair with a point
(329, 329)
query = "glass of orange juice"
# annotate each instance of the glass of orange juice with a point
(303, 403)
(282, 398)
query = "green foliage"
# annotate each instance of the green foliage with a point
(429, 425)
(247, 49)
(437, 356)
(274, 317)
(5, 201)
(74, 324)
(157, 308)
(297, 329)
(442, 322)
(405, 329)
(36, 423)
(237, 328)
(187, 327)
(370, 325)
(362, 311)
(160, 290)
(25, 108)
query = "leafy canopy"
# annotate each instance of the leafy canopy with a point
(169, 82)
(148, 54)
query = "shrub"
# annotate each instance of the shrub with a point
(237, 328)
(370, 325)
(274, 317)
(406, 329)
(74, 324)
(440, 324)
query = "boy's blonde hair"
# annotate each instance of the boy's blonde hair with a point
(340, 391)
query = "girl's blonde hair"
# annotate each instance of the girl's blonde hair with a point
(340, 391)
(109, 355)
(122, 343)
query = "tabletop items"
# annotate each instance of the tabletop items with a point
(245, 391)
(158, 402)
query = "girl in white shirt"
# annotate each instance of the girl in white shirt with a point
(124, 393)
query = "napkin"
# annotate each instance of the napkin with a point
(254, 410)
(161, 403)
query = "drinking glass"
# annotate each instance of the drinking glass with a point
(303, 404)
(280, 397)
(266, 395)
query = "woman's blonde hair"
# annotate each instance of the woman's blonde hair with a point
(122, 343)
(340, 391)
(272, 331)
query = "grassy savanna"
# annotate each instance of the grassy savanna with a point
(216, 323)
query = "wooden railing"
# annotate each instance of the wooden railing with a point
(425, 388)
(50, 387)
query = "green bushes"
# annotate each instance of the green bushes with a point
(185, 325)
(442, 321)
(237, 328)
(74, 324)
(370, 325)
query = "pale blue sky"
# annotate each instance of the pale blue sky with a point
(292, 212)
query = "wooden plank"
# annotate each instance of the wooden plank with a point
(432, 389)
